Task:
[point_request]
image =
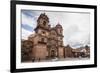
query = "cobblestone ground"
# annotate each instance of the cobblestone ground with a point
(64, 59)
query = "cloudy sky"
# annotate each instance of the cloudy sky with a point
(76, 26)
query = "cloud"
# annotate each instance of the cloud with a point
(25, 34)
(28, 23)
(29, 13)
(25, 26)
(81, 38)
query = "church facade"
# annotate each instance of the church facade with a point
(47, 41)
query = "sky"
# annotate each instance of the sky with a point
(76, 26)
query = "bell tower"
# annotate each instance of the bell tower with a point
(42, 28)
(59, 30)
(60, 36)
(42, 22)
(41, 37)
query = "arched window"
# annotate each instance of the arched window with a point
(44, 23)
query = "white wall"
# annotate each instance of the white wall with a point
(5, 36)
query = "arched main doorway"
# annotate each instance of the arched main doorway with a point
(53, 53)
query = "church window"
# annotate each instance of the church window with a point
(44, 23)
(42, 39)
(43, 32)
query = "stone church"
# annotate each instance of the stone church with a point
(46, 43)
(47, 40)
